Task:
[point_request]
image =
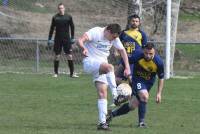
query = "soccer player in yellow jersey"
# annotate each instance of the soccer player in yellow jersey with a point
(133, 38)
(147, 65)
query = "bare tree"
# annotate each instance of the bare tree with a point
(134, 7)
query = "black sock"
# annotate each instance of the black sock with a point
(56, 65)
(124, 109)
(141, 111)
(71, 67)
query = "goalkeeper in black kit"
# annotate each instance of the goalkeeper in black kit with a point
(63, 25)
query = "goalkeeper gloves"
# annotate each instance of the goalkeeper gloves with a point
(49, 44)
(72, 41)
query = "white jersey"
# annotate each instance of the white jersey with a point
(98, 46)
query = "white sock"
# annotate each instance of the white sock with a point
(102, 107)
(112, 83)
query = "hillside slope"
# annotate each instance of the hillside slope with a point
(33, 19)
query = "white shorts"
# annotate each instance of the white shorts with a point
(91, 66)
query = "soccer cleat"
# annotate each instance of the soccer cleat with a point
(109, 117)
(74, 76)
(120, 99)
(55, 75)
(142, 125)
(103, 126)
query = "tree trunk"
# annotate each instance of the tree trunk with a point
(134, 7)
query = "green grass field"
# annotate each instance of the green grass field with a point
(40, 104)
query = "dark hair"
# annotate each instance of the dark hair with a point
(130, 18)
(114, 28)
(149, 45)
(133, 16)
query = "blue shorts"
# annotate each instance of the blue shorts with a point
(140, 85)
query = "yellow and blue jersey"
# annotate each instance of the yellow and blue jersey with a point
(146, 71)
(133, 40)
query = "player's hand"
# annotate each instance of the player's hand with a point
(129, 77)
(49, 44)
(72, 41)
(158, 98)
(127, 72)
(85, 52)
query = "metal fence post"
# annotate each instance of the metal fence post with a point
(37, 56)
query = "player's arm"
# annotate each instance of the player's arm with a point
(159, 90)
(52, 27)
(81, 42)
(71, 23)
(118, 44)
(144, 38)
(126, 62)
(160, 74)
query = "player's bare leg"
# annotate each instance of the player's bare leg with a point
(108, 69)
(102, 105)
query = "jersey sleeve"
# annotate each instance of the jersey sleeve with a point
(72, 26)
(52, 27)
(118, 44)
(92, 33)
(160, 71)
(144, 38)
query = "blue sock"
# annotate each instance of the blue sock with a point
(142, 111)
(124, 109)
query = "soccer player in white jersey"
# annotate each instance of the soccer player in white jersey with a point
(96, 44)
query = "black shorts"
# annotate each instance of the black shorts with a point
(62, 44)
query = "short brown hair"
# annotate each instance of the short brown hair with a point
(114, 28)
(60, 4)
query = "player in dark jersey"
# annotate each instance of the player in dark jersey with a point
(63, 24)
(147, 64)
(133, 38)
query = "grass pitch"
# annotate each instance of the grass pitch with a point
(40, 104)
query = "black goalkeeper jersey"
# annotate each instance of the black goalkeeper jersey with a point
(62, 24)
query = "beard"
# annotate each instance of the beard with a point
(134, 26)
(147, 59)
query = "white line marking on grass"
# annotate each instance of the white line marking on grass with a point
(182, 77)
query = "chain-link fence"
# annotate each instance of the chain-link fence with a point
(32, 56)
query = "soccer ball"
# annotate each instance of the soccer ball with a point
(124, 89)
